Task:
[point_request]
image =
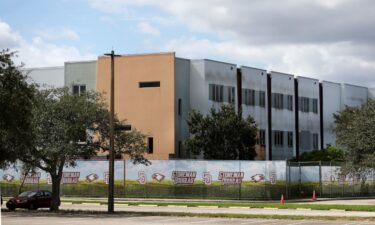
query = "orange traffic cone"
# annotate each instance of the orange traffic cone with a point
(282, 199)
(314, 196)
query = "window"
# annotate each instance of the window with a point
(149, 84)
(262, 137)
(290, 139)
(79, 89)
(231, 94)
(315, 105)
(277, 101)
(179, 106)
(262, 99)
(150, 145)
(216, 92)
(304, 104)
(249, 97)
(290, 102)
(315, 141)
(278, 138)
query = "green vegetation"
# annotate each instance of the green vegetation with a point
(222, 134)
(331, 153)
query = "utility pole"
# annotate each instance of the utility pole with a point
(111, 136)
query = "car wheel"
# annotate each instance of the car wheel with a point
(32, 207)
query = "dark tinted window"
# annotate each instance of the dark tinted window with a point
(150, 145)
(149, 84)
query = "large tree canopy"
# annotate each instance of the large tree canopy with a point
(61, 121)
(16, 99)
(222, 134)
(355, 132)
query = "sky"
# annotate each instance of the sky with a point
(331, 40)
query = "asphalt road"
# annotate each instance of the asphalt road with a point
(18, 218)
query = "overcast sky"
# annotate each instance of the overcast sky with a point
(330, 40)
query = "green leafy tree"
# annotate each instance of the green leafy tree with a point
(222, 134)
(331, 153)
(16, 99)
(60, 124)
(355, 132)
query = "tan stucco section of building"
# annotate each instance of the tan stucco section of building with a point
(150, 110)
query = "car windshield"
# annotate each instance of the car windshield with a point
(27, 194)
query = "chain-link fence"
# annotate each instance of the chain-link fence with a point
(202, 179)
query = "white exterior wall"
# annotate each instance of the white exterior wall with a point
(283, 119)
(353, 95)
(46, 77)
(81, 73)
(331, 105)
(205, 72)
(309, 121)
(256, 79)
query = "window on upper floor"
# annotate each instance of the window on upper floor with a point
(315, 141)
(278, 138)
(290, 102)
(249, 97)
(290, 139)
(262, 137)
(315, 105)
(304, 104)
(150, 145)
(79, 89)
(262, 98)
(149, 84)
(277, 101)
(231, 94)
(216, 92)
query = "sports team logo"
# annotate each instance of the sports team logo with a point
(257, 177)
(92, 177)
(8, 177)
(158, 177)
(141, 177)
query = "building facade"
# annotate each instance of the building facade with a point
(154, 93)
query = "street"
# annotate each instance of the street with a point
(16, 218)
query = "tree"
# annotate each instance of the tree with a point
(331, 153)
(223, 134)
(16, 99)
(60, 124)
(355, 132)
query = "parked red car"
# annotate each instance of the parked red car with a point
(31, 200)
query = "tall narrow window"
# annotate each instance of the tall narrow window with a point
(315, 106)
(290, 139)
(179, 106)
(262, 137)
(304, 104)
(315, 141)
(231, 94)
(290, 102)
(150, 145)
(262, 98)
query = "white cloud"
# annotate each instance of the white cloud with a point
(57, 33)
(38, 52)
(146, 28)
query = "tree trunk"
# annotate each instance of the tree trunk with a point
(23, 182)
(55, 192)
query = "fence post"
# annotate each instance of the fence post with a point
(320, 178)
(286, 180)
(299, 178)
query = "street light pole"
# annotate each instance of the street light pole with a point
(111, 137)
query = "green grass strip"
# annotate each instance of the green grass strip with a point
(364, 208)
